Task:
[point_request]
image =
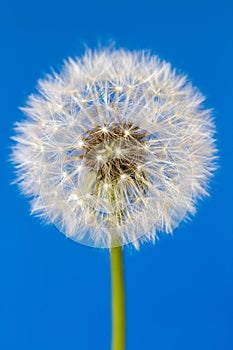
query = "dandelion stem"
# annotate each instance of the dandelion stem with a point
(118, 299)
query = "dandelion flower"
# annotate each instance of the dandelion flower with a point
(114, 149)
(116, 140)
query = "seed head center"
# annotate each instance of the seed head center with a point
(115, 152)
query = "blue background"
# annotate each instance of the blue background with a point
(54, 293)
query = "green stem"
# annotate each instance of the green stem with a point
(118, 299)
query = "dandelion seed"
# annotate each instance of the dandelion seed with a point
(123, 134)
(104, 129)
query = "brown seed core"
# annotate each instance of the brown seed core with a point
(100, 152)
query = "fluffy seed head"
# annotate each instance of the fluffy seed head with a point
(114, 148)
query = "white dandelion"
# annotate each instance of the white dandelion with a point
(115, 148)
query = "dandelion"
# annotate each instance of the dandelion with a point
(115, 148)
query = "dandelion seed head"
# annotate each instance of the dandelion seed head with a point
(115, 148)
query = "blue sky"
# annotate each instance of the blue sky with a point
(54, 293)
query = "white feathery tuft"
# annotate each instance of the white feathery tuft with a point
(115, 148)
